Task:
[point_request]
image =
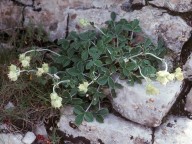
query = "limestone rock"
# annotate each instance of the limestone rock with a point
(11, 138)
(177, 130)
(133, 103)
(154, 23)
(29, 138)
(114, 130)
(10, 15)
(187, 68)
(175, 5)
(188, 105)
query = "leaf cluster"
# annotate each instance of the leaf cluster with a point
(96, 58)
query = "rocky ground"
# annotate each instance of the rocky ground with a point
(141, 119)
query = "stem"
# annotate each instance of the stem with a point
(166, 67)
(142, 74)
(127, 59)
(99, 30)
(38, 50)
(88, 106)
(64, 81)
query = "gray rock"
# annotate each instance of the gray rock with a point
(11, 138)
(154, 23)
(10, 15)
(187, 68)
(176, 130)
(40, 130)
(188, 105)
(133, 103)
(114, 130)
(175, 5)
(9, 106)
(29, 138)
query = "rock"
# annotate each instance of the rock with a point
(10, 15)
(51, 16)
(133, 103)
(155, 23)
(11, 138)
(41, 130)
(114, 130)
(176, 130)
(9, 105)
(29, 138)
(187, 68)
(175, 5)
(188, 105)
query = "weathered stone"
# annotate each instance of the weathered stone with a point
(29, 138)
(133, 103)
(113, 131)
(188, 105)
(52, 17)
(40, 130)
(11, 138)
(10, 15)
(176, 130)
(155, 23)
(175, 5)
(187, 68)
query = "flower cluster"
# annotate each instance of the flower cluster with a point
(14, 72)
(42, 70)
(25, 60)
(150, 89)
(164, 77)
(56, 101)
(83, 87)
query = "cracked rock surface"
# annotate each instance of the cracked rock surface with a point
(114, 130)
(175, 5)
(176, 130)
(133, 103)
(11, 139)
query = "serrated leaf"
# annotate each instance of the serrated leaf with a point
(79, 119)
(99, 118)
(118, 85)
(52, 70)
(111, 82)
(104, 112)
(80, 66)
(102, 80)
(78, 110)
(88, 116)
(64, 43)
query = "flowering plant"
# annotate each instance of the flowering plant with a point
(87, 62)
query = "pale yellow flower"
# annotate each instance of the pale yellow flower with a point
(25, 60)
(150, 89)
(162, 77)
(14, 72)
(84, 22)
(179, 74)
(39, 72)
(45, 67)
(171, 77)
(56, 101)
(83, 87)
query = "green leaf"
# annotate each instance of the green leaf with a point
(98, 63)
(118, 86)
(76, 101)
(79, 119)
(84, 55)
(102, 80)
(104, 112)
(99, 118)
(80, 66)
(89, 65)
(52, 70)
(64, 43)
(88, 116)
(131, 66)
(78, 110)
(113, 93)
(94, 52)
(111, 82)
(113, 16)
(73, 71)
